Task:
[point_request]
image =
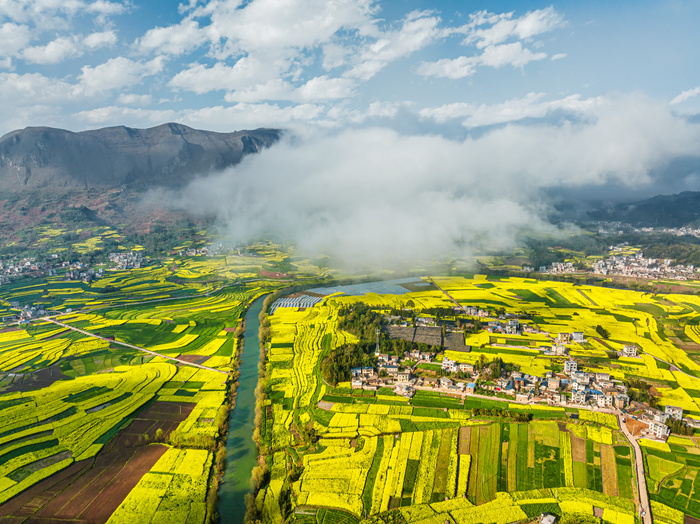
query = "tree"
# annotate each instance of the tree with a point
(602, 332)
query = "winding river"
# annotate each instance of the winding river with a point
(241, 451)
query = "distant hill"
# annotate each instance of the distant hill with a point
(660, 211)
(43, 158)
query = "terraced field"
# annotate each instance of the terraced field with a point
(95, 431)
(431, 459)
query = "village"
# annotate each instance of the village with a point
(636, 266)
(572, 387)
(15, 269)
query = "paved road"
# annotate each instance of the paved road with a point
(678, 370)
(639, 473)
(181, 361)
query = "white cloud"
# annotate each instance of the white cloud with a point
(102, 39)
(558, 56)
(13, 38)
(54, 52)
(493, 56)
(530, 106)
(30, 88)
(316, 89)
(356, 193)
(454, 68)
(505, 26)
(65, 47)
(324, 88)
(46, 13)
(276, 25)
(247, 71)
(114, 115)
(376, 110)
(508, 54)
(173, 40)
(248, 116)
(686, 95)
(417, 31)
(132, 99)
(116, 73)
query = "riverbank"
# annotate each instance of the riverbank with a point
(241, 451)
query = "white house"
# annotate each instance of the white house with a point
(630, 351)
(659, 430)
(605, 401)
(449, 365)
(578, 397)
(570, 366)
(674, 412)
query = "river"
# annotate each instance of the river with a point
(241, 451)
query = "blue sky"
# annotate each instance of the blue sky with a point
(448, 67)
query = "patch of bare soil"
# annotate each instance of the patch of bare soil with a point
(89, 491)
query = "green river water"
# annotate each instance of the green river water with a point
(241, 451)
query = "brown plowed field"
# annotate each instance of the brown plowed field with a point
(89, 491)
(195, 359)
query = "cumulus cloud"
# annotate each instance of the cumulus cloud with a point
(27, 89)
(495, 56)
(173, 40)
(686, 95)
(116, 73)
(275, 26)
(418, 30)
(116, 115)
(131, 99)
(379, 197)
(248, 116)
(50, 15)
(13, 38)
(532, 105)
(65, 47)
(504, 26)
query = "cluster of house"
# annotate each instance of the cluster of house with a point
(25, 314)
(393, 370)
(126, 259)
(638, 266)
(677, 231)
(558, 268)
(656, 420)
(30, 268)
(596, 389)
(82, 272)
(508, 327)
(24, 267)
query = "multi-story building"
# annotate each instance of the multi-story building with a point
(659, 430)
(570, 366)
(578, 397)
(630, 351)
(674, 412)
(621, 400)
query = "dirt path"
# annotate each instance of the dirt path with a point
(180, 360)
(587, 297)
(643, 499)
(445, 293)
(678, 370)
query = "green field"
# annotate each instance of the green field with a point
(379, 453)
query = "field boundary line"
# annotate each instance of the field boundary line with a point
(181, 361)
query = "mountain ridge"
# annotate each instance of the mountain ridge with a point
(168, 155)
(676, 210)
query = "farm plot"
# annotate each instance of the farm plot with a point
(378, 452)
(91, 490)
(673, 471)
